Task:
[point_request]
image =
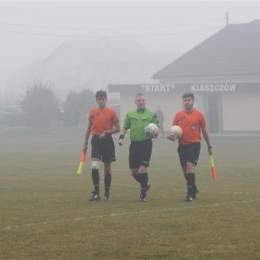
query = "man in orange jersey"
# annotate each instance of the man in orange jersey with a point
(102, 123)
(192, 122)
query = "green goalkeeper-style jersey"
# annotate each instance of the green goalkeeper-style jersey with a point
(136, 120)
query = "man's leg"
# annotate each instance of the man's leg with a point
(95, 178)
(135, 174)
(107, 179)
(190, 177)
(143, 182)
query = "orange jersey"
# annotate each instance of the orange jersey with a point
(102, 120)
(191, 124)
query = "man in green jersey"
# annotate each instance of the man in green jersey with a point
(140, 149)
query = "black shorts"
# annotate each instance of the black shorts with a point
(140, 153)
(189, 153)
(103, 149)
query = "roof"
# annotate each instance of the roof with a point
(233, 51)
(112, 51)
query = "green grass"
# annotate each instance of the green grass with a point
(45, 210)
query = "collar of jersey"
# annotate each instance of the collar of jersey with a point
(190, 111)
(141, 111)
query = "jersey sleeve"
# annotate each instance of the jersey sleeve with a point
(115, 117)
(127, 122)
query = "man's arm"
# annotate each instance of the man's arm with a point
(122, 136)
(116, 125)
(156, 121)
(206, 138)
(87, 134)
(115, 129)
(169, 135)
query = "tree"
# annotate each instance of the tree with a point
(77, 106)
(40, 105)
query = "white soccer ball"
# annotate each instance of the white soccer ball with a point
(175, 130)
(151, 130)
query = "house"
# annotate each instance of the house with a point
(77, 65)
(223, 72)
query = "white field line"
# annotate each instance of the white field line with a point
(129, 213)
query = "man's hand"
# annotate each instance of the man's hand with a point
(210, 150)
(85, 148)
(121, 139)
(171, 137)
(103, 135)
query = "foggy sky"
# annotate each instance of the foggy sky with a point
(30, 30)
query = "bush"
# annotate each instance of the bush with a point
(77, 106)
(40, 105)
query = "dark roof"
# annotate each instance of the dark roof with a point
(233, 51)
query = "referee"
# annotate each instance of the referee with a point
(193, 123)
(102, 123)
(140, 149)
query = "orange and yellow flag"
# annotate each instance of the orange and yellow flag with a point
(213, 170)
(81, 164)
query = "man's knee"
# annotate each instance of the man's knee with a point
(94, 165)
(135, 172)
(143, 169)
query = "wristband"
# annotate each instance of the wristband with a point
(121, 137)
(209, 147)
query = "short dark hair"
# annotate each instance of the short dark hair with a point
(139, 94)
(101, 94)
(188, 94)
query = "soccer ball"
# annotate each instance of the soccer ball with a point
(151, 130)
(175, 130)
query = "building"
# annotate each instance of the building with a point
(224, 74)
(77, 65)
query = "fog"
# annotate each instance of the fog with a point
(32, 31)
(45, 210)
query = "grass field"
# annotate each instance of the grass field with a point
(45, 210)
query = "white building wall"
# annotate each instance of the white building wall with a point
(239, 112)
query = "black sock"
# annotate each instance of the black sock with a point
(194, 183)
(146, 177)
(137, 177)
(95, 179)
(107, 181)
(190, 182)
(143, 182)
